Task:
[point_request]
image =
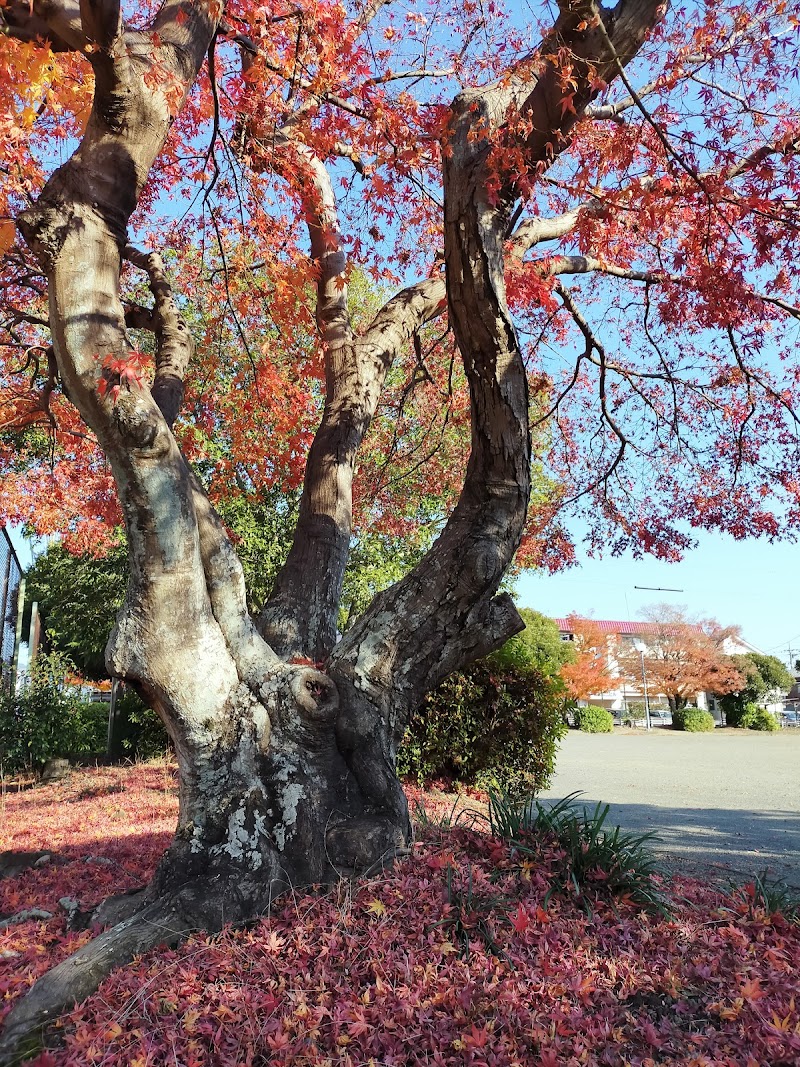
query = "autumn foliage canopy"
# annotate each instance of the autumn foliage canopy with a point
(649, 268)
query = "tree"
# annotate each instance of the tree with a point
(302, 152)
(592, 671)
(765, 679)
(78, 598)
(682, 656)
(538, 646)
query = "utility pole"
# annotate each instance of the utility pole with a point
(18, 635)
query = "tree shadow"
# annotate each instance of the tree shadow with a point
(725, 841)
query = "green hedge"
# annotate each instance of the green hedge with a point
(693, 720)
(594, 720)
(758, 718)
(47, 718)
(490, 725)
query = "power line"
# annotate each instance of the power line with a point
(659, 589)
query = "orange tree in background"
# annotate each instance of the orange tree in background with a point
(683, 656)
(190, 193)
(593, 670)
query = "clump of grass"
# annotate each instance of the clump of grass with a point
(447, 820)
(469, 915)
(769, 896)
(597, 858)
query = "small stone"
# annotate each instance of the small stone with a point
(101, 861)
(43, 860)
(55, 770)
(70, 905)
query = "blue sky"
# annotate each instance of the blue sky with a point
(752, 584)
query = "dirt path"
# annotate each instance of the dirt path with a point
(723, 805)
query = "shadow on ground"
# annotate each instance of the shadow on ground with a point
(716, 841)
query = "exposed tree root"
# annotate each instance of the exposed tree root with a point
(201, 904)
(141, 923)
(164, 922)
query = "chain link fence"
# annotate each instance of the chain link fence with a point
(10, 577)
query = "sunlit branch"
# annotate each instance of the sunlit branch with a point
(790, 309)
(606, 112)
(418, 74)
(555, 265)
(174, 344)
(58, 23)
(371, 9)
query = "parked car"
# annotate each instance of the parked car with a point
(661, 717)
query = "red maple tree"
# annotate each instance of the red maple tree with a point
(681, 656)
(594, 669)
(600, 207)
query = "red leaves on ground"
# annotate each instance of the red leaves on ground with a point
(372, 973)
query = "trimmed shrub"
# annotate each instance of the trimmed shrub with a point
(693, 720)
(489, 726)
(758, 718)
(594, 720)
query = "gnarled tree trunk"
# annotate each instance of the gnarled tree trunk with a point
(287, 772)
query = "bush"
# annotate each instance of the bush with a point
(138, 733)
(490, 725)
(594, 720)
(47, 718)
(758, 718)
(693, 720)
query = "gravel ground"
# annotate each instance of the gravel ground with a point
(723, 805)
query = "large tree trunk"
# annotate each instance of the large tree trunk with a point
(287, 772)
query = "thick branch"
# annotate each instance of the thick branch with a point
(58, 22)
(555, 265)
(226, 588)
(301, 613)
(76, 230)
(425, 626)
(534, 231)
(174, 343)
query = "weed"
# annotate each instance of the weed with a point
(468, 916)
(595, 857)
(466, 817)
(771, 897)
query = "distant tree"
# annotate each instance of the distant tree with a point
(591, 670)
(78, 598)
(683, 657)
(765, 678)
(538, 646)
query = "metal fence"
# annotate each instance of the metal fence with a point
(10, 576)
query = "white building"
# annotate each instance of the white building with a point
(623, 695)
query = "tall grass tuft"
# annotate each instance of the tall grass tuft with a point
(597, 858)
